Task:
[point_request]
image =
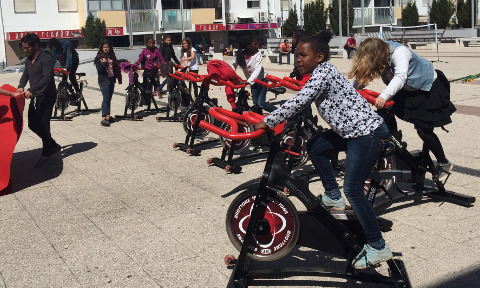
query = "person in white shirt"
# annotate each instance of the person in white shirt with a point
(250, 60)
(189, 59)
(421, 93)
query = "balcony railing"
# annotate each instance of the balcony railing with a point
(172, 19)
(142, 20)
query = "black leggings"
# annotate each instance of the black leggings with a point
(431, 141)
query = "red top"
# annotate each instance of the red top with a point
(350, 41)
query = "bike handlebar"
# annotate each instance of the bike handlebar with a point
(178, 66)
(194, 77)
(371, 97)
(61, 70)
(268, 85)
(175, 76)
(231, 118)
(231, 85)
(273, 79)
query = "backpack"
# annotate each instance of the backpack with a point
(220, 70)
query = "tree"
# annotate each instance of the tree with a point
(441, 12)
(464, 13)
(291, 24)
(410, 15)
(94, 31)
(314, 17)
(333, 15)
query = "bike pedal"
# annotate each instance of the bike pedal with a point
(374, 266)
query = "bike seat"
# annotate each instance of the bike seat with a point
(387, 149)
(80, 74)
(278, 90)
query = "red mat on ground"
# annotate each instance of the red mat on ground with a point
(11, 125)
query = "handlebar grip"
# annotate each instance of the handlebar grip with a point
(370, 96)
(231, 85)
(273, 79)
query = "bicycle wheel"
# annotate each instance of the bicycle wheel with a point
(239, 145)
(62, 99)
(190, 117)
(288, 139)
(280, 225)
(133, 98)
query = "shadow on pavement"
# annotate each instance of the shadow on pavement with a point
(24, 174)
(468, 278)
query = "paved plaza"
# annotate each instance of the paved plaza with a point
(121, 208)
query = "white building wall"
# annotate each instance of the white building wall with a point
(45, 18)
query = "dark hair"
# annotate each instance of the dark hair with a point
(31, 39)
(298, 35)
(101, 54)
(319, 43)
(148, 39)
(166, 36)
(286, 40)
(243, 44)
(54, 43)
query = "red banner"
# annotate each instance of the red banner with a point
(13, 36)
(209, 27)
(251, 26)
(114, 31)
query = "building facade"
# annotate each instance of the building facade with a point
(217, 23)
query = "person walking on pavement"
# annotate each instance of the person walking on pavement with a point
(39, 74)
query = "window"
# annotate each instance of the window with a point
(96, 5)
(67, 5)
(253, 3)
(24, 6)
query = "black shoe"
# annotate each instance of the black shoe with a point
(57, 148)
(111, 120)
(105, 123)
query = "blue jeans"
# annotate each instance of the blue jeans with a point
(281, 56)
(163, 84)
(362, 153)
(107, 92)
(259, 96)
